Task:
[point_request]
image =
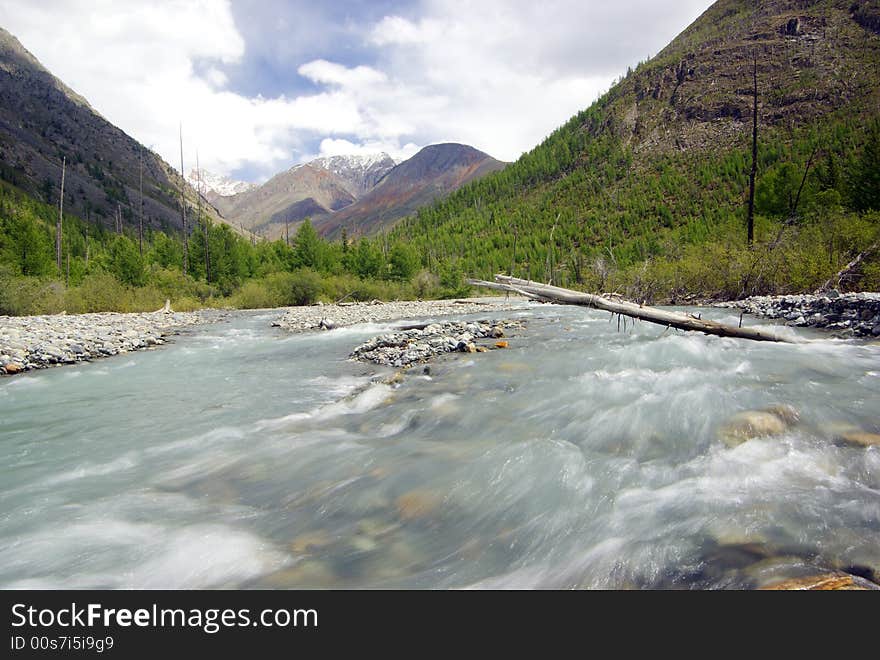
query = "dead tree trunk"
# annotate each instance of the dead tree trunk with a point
(141, 213)
(754, 171)
(848, 269)
(205, 226)
(59, 227)
(183, 209)
(663, 317)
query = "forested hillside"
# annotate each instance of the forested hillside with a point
(646, 190)
(108, 270)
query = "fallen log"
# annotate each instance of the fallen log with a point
(847, 270)
(555, 294)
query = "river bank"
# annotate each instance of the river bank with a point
(847, 314)
(327, 317)
(38, 342)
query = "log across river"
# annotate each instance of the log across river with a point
(663, 317)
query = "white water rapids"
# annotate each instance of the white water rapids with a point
(579, 457)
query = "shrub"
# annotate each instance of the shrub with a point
(303, 288)
(426, 285)
(99, 292)
(253, 295)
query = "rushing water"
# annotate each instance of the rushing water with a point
(582, 456)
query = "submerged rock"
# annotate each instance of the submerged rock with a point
(306, 573)
(861, 438)
(311, 542)
(417, 505)
(757, 424)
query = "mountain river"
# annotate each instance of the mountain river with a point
(581, 456)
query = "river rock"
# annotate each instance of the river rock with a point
(824, 582)
(37, 342)
(363, 543)
(406, 347)
(377, 528)
(787, 413)
(310, 542)
(848, 313)
(861, 438)
(417, 505)
(309, 318)
(752, 424)
(304, 574)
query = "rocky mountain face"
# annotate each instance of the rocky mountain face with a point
(42, 121)
(433, 172)
(361, 193)
(358, 174)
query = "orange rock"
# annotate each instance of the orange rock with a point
(500, 344)
(417, 504)
(14, 368)
(826, 582)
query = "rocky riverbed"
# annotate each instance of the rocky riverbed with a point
(415, 345)
(849, 314)
(327, 317)
(37, 342)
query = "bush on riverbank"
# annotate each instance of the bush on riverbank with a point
(785, 259)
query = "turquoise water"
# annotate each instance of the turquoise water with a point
(581, 456)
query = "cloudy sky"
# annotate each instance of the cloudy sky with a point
(262, 84)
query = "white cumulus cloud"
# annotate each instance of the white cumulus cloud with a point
(497, 74)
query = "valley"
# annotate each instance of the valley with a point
(274, 372)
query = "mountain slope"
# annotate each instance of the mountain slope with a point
(433, 172)
(660, 163)
(43, 121)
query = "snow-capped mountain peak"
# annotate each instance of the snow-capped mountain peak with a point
(219, 184)
(358, 172)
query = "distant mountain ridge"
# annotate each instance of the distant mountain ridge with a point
(363, 193)
(302, 191)
(433, 172)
